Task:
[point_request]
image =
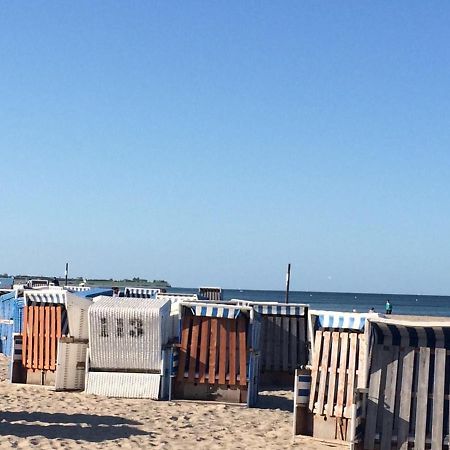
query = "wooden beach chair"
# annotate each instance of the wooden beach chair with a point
(214, 358)
(338, 367)
(283, 341)
(54, 340)
(408, 389)
(213, 294)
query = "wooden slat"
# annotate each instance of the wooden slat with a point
(389, 401)
(285, 343)
(233, 352)
(301, 340)
(329, 409)
(373, 397)
(293, 343)
(212, 352)
(36, 337)
(242, 351)
(58, 322)
(438, 400)
(351, 371)
(407, 358)
(52, 338)
(315, 367)
(185, 328)
(193, 349)
(29, 350)
(323, 373)
(24, 335)
(270, 330)
(362, 354)
(204, 341)
(277, 345)
(422, 398)
(264, 343)
(222, 350)
(41, 337)
(342, 375)
(47, 337)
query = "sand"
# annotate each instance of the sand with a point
(37, 417)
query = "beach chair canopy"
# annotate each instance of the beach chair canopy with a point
(339, 319)
(74, 318)
(411, 332)
(215, 309)
(140, 292)
(280, 309)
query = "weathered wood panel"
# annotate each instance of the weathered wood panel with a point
(213, 351)
(40, 335)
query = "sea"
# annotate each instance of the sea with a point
(426, 305)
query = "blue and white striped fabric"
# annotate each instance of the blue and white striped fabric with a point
(336, 319)
(412, 334)
(136, 292)
(302, 387)
(17, 343)
(55, 297)
(279, 309)
(219, 311)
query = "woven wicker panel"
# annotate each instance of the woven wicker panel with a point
(128, 333)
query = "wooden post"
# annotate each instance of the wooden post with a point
(67, 272)
(288, 279)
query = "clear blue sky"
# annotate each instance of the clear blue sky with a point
(214, 142)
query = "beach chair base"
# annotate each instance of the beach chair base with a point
(207, 392)
(331, 428)
(124, 385)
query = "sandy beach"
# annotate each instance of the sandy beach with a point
(37, 417)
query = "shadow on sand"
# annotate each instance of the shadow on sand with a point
(270, 400)
(86, 427)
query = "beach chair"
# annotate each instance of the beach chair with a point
(214, 359)
(283, 341)
(127, 354)
(338, 368)
(408, 388)
(53, 341)
(213, 294)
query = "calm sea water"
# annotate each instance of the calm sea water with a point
(431, 305)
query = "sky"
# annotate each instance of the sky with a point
(212, 143)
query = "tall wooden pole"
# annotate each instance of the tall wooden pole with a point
(288, 279)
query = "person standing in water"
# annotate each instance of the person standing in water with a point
(388, 307)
